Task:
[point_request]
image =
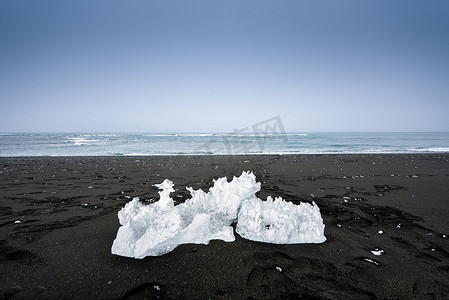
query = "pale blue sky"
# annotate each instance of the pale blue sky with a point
(206, 66)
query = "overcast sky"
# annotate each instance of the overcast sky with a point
(215, 66)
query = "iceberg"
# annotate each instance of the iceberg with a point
(158, 228)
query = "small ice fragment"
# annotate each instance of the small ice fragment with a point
(89, 187)
(128, 197)
(444, 236)
(279, 269)
(372, 261)
(84, 204)
(415, 176)
(312, 195)
(338, 225)
(157, 287)
(17, 222)
(377, 252)
(433, 249)
(380, 232)
(398, 226)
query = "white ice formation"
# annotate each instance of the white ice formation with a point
(377, 252)
(280, 222)
(158, 228)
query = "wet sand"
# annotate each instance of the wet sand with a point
(59, 218)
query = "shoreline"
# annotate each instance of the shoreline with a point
(67, 207)
(236, 154)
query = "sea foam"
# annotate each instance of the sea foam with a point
(158, 228)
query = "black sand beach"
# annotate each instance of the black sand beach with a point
(59, 218)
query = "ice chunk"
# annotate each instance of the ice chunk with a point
(280, 222)
(372, 261)
(377, 252)
(158, 228)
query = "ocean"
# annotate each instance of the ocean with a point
(268, 142)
